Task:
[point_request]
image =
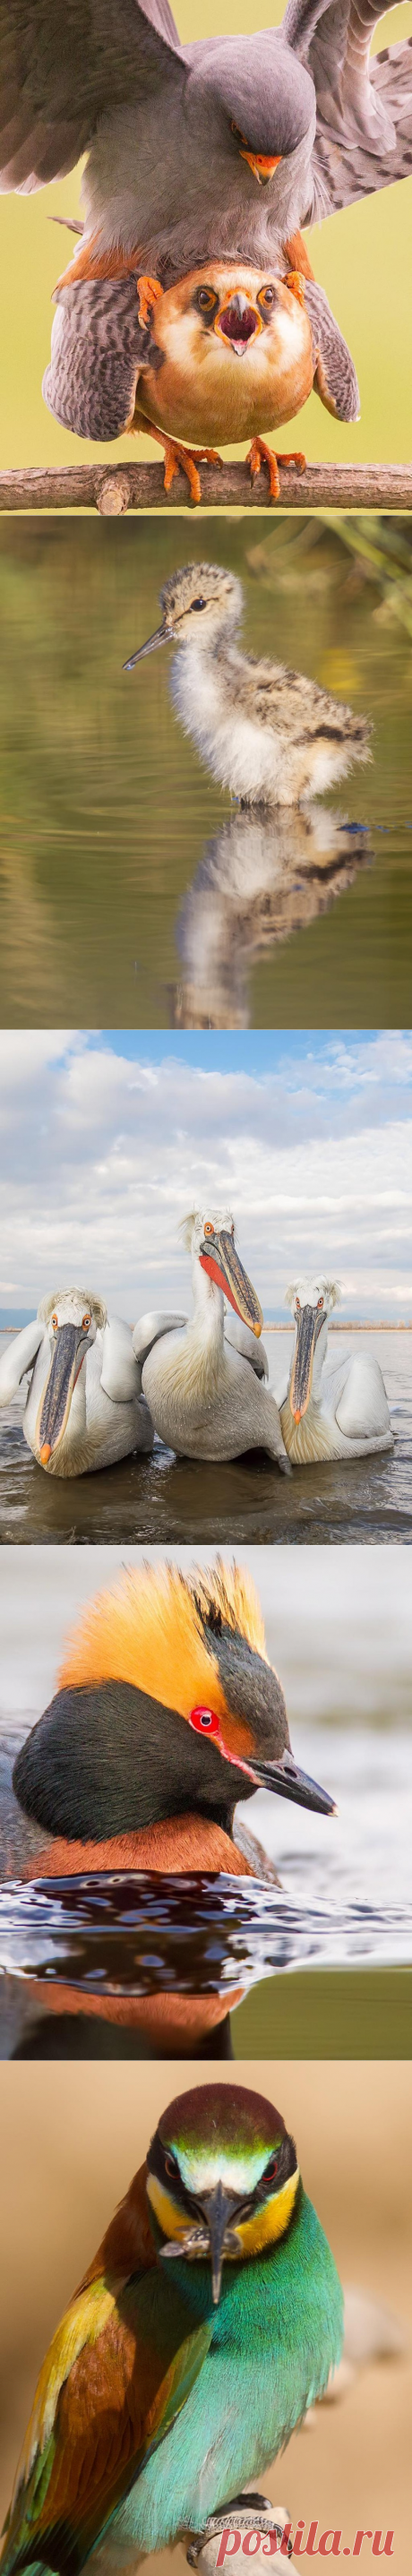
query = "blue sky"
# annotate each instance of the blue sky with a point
(109, 1138)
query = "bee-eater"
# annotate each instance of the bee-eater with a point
(206, 2325)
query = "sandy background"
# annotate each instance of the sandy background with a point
(71, 2138)
(361, 257)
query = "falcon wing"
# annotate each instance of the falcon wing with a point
(119, 2369)
(335, 376)
(364, 107)
(98, 346)
(64, 64)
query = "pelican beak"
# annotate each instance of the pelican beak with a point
(238, 324)
(163, 635)
(219, 1257)
(289, 1782)
(63, 1371)
(308, 1326)
(262, 164)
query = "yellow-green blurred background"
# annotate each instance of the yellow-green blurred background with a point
(362, 257)
(71, 2139)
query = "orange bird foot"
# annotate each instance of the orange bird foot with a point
(175, 456)
(259, 454)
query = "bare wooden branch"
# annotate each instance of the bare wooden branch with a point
(113, 489)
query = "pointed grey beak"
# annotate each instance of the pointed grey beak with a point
(289, 1782)
(218, 2208)
(163, 635)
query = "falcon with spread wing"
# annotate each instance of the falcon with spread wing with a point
(204, 161)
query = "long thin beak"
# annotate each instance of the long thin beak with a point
(218, 2208)
(59, 1389)
(289, 1782)
(220, 1258)
(163, 636)
(308, 1327)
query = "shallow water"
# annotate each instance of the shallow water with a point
(131, 894)
(164, 1498)
(344, 1900)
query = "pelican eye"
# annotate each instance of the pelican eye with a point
(86, 1320)
(204, 1721)
(54, 1323)
(267, 297)
(207, 1229)
(297, 1304)
(320, 1301)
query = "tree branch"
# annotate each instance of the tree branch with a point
(113, 489)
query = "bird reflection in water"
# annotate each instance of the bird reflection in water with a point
(264, 876)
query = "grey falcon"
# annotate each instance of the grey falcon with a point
(202, 159)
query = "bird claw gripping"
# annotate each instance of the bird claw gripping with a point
(247, 2513)
(259, 454)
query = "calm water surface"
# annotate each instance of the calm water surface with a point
(163, 1498)
(131, 893)
(345, 1899)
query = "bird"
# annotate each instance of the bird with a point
(203, 1379)
(85, 1407)
(166, 1713)
(219, 151)
(202, 2331)
(269, 734)
(165, 363)
(340, 1411)
(259, 880)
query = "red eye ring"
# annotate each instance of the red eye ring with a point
(321, 1301)
(204, 1721)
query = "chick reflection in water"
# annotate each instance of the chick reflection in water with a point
(263, 877)
(269, 734)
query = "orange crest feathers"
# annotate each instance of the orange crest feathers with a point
(148, 1630)
(229, 1588)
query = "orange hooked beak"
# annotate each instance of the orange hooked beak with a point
(262, 164)
(238, 324)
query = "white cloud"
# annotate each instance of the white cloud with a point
(101, 1155)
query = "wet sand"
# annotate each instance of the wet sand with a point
(70, 2143)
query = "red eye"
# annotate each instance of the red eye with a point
(204, 1721)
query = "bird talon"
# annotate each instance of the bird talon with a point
(148, 292)
(296, 286)
(188, 459)
(258, 455)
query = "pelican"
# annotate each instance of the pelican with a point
(335, 1412)
(85, 1408)
(203, 1379)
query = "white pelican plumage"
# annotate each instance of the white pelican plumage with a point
(203, 1379)
(335, 1412)
(85, 1408)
